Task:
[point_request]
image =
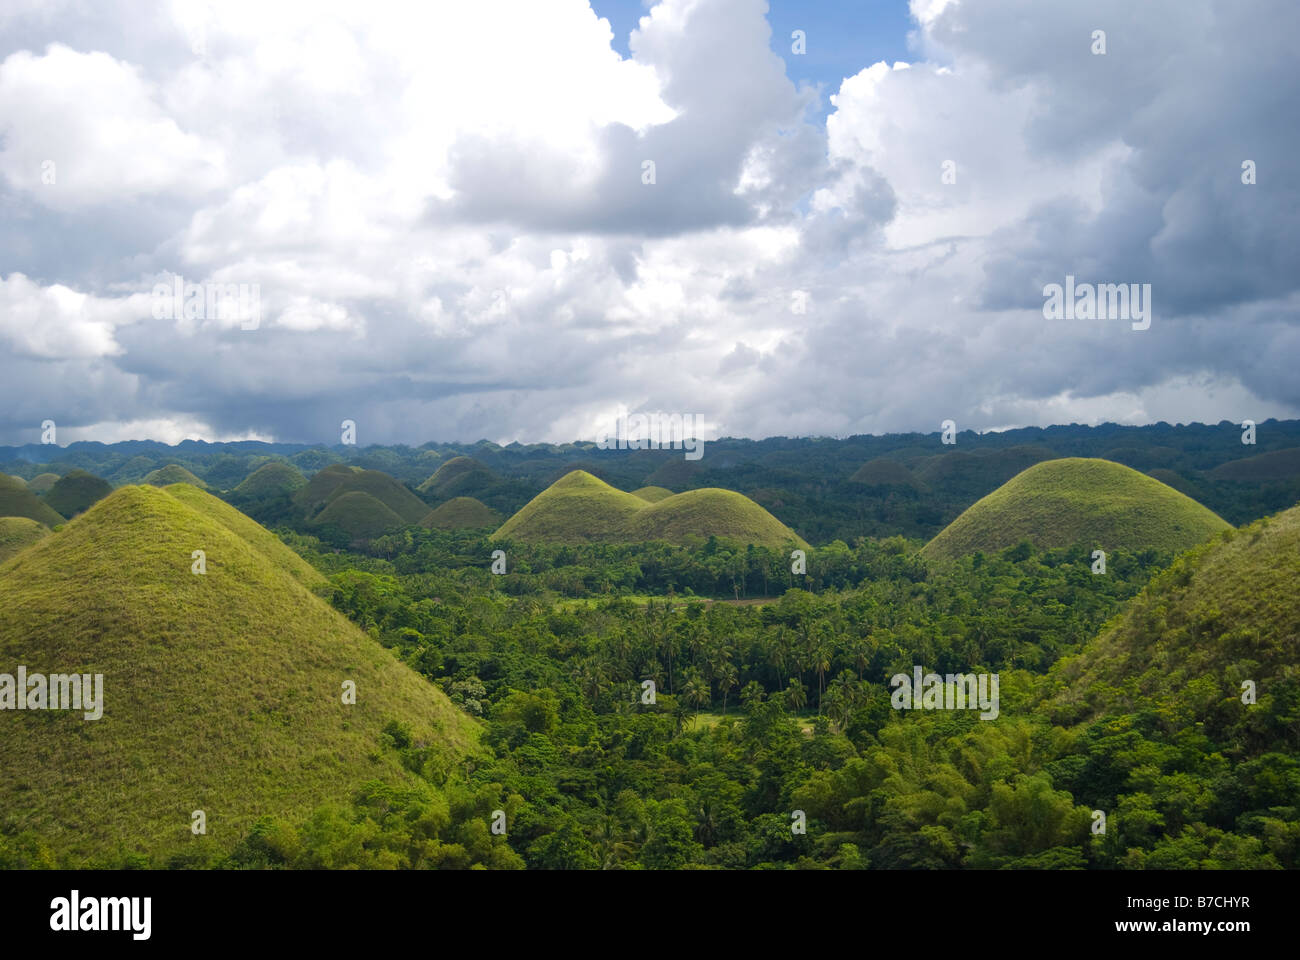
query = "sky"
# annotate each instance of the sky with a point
(517, 219)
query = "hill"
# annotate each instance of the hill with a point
(270, 479)
(17, 533)
(1097, 503)
(323, 482)
(700, 514)
(173, 473)
(1278, 465)
(652, 494)
(1226, 611)
(884, 473)
(457, 477)
(577, 508)
(359, 515)
(386, 490)
(18, 501)
(76, 491)
(461, 513)
(221, 692)
(42, 482)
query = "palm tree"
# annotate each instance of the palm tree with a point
(796, 696)
(728, 677)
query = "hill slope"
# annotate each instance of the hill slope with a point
(173, 473)
(461, 513)
(359, 515)
(710, 512)
(17, 533)
(652, 494)
(221, 692)
(75, 491)
(1076, 500)
(459, 475)
(1225, 612)
(577, 508)
(17, 501)
(42, 482)
(386, 490)
(271, 478)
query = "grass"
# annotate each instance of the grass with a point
(882, 472)
(221, 692)
(581, 508)
(653, 494)
(323, 482)
(461, 513)
(1226, 611)
(1076, 500)
(386, 490)
(42, 482)
(271, 478)
(16, 533)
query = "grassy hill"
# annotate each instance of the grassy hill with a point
(76, 491)
(1225, 612)
(323, 482)
(710, 512)
(222, 692)
(1278, 465)
(173, 473)
(652, 494)
(458, 476)
(884, 473)
(386, 490)
(1077, 500)
(17, 533)
(579, 508)
(461, 513)
(18, 501)
(359, 515)
(42, 483)
(271, 478)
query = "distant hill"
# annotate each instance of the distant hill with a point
(458, 476)
(577, 508)
(322, 483)
(1278, 465)
(580, 508)
(42, 483)
(173, 473)
(359, 515)
(271, 478)
(700, 514)
(461, 513)
(221, 692)
(76, 491)
(677, 472)
(17, 501)
(1076, 500)
(884, 473)
(975, 474)
(1226, 611)
(17, 533)
(652, 494)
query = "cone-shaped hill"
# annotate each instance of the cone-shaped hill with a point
(75, 491)
(42, 482)
(461, 513)
(17, 501)
(336, 482)
(1278, 465)
(579, 508)
(1225, 612)
(1060, 503)
(173, 473)
(17, 533)
(359, 515)
(710, 512)
(458, 476)
(883, 472)
(221, 692)
(271, 478)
